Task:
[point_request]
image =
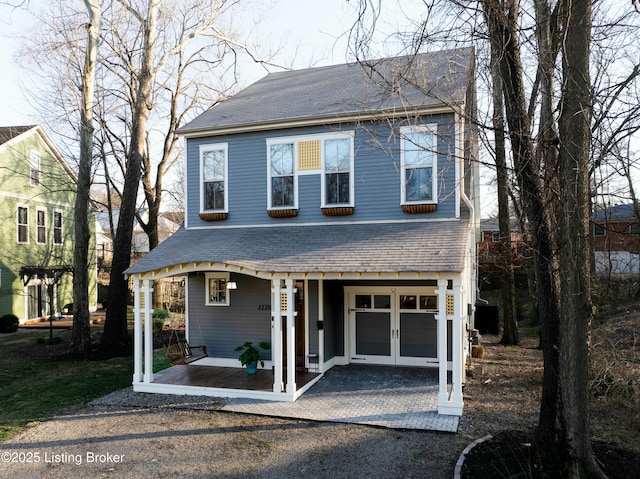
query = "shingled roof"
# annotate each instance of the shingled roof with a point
(331, 93)
(10, 132)
(431, 247)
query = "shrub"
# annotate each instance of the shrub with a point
(159, 317)
(9, 323)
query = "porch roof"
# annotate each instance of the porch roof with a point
(425, 247)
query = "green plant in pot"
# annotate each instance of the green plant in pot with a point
(250, 355)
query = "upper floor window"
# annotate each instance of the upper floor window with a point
(213, 192)
(34, 168)
(282, 185)
(337, 177)
(23, 224)
(41, 226)
(57, 227)
(634, 228)
(598, 229)
(419, 164)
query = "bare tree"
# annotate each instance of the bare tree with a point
(81, 334)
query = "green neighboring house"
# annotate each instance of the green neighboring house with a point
(37, 196)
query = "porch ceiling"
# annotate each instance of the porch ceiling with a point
(409, 247)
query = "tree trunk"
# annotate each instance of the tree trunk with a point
(507, 284)
(115, 328)
(576, 308)
(81, 333)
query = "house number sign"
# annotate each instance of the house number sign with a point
(264, 307)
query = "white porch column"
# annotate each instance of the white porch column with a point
(441, 317)
(291, 314)
(137, 333)
(276, 335)
(148, 331)
(321, 332)
(456, 402)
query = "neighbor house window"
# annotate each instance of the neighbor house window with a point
(23, 224)
(57, 227)
(338, 184)
(41, 226)
(419, 164)
(213, 159)
(34, 168)
(282, 185)
(216, 290)
(598, 229)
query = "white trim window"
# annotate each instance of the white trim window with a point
(34, 168)
(419, 164)
(57, 227)
(22, 235)
(282, 186)
(217, 293)
(213, 174)
(337, 177)
(41, 226)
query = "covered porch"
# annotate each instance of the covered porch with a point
(282, 275)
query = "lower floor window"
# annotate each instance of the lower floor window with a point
(216, 290)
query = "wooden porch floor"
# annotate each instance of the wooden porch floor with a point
(220, 377)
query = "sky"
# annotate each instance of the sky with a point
(310, 32)
(307, 33)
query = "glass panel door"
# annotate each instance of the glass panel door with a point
(371, 329)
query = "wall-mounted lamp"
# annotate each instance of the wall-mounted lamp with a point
(232, 285)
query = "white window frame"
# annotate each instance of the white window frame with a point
(204, 149)
(35, 164)
(283, 141)
(18, 224)
(41, 226)
(342, 136)
(60, 228)
(425, 128)
(216, 276)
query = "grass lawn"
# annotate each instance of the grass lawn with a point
(38, 382)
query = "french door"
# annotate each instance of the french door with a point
(392, 326)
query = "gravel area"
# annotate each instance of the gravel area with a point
(137, 435)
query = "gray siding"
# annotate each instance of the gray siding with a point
(223, 328)
(376, 177)
(313, 316)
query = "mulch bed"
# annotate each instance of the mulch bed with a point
(514, 454)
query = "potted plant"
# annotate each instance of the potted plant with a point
(251, 355)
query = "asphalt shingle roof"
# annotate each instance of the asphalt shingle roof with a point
(330, 92)
(9, 132)
(437, 246)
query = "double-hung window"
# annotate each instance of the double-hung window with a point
(213, 192)
(419, 164)
(23, 224)
(337, 178)
(41, 226)
(282, 187)
(57, 227)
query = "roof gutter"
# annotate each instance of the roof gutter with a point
(318, 121)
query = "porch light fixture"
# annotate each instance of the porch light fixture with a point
(232, 285)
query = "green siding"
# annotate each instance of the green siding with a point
(54, 193)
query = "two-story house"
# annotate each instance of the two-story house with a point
(37, 225)
(331, 212)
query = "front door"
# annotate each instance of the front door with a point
(393, 326)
